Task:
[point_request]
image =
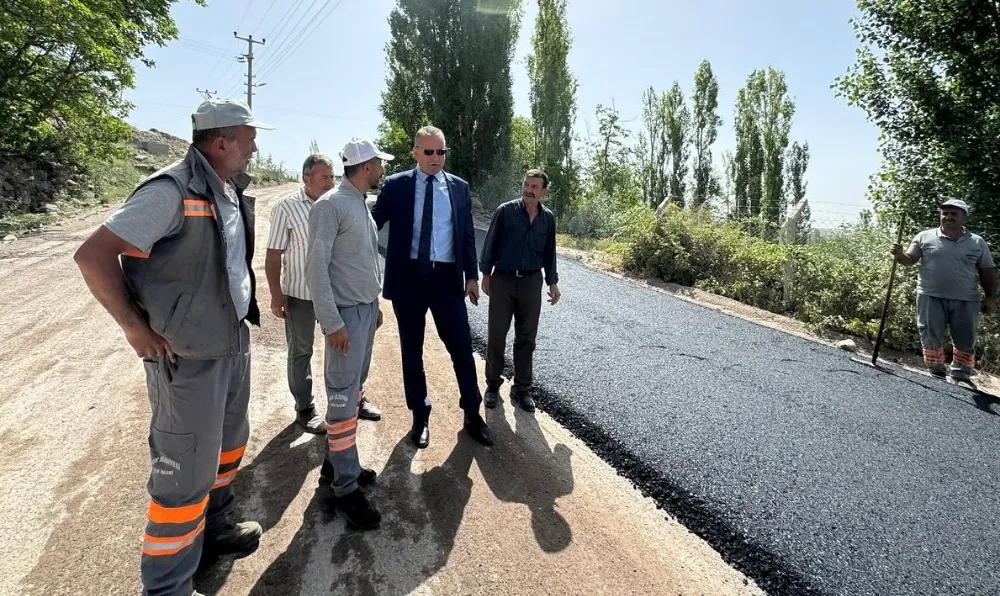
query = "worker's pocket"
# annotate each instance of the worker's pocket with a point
(177, 316)
(173, 474)
(342, 394)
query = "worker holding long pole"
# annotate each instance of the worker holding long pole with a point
(953, 264)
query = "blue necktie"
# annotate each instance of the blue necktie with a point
(427, 225)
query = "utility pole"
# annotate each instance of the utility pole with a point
(249, 60)
(206, 93)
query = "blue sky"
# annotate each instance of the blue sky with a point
(325, 82)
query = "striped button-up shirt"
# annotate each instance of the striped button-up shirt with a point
(290, 233)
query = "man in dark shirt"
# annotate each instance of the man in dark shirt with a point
(520, 243)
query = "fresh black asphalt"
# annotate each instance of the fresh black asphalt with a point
(809, 472)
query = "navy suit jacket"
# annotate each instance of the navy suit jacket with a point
(395, 205)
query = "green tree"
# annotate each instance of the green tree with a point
(64, 68)
(926, 74)
(748, 162)
(523, 139)
(705, 125)
(611, 170)
(763, 122)
(777, 109)
(651, 150)
(552, 95)
(449, 64)
(796, 164)
(677, 134)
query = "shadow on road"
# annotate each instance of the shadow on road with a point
(524, 470)
(422, 514)
(273, 479)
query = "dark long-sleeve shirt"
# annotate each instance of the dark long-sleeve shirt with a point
(515, 243)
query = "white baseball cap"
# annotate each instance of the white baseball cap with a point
(221, 113)
(361, 150)
(956, 204)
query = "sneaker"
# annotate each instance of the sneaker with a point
(242, 539)
(490, 398)
(358, 512)
(310, 421)
(368, 411)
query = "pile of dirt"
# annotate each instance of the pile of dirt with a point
(157, 142)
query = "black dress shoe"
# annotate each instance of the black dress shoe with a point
(490, 398)
(524, 399)
(420, 434)
(478, 430)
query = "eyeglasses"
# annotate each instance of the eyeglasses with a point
(429, 152)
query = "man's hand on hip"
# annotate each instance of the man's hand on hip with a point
(472, 291)
(147, 343)
(339, 340)
(279, 305)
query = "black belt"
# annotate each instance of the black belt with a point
(521, 272)
(434, 264)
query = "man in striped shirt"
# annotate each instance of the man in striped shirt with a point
(285, 267)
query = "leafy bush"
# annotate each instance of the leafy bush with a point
(266, 171)
(837, 284)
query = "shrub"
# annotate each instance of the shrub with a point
(837, 284)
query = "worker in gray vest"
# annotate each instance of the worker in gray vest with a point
(345, 280)
(953, 264)
(183, 294)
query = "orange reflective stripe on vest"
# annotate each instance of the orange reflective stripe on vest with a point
(198, 208)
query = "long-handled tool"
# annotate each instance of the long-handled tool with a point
(888, 296)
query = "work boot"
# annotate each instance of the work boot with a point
(241, 539)
(368, 411)
(523, 398)
(358, 512)
(310, 421)
(490, 398)
(365, 478)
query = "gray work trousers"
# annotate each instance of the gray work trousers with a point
(520, 298)
(197, 435)
(344, 376)
(300, 333)
(961, 318)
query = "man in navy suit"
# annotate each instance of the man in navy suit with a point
(430, 264)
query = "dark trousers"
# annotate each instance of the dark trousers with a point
(300, 333)
(435, 291)
(520, 298)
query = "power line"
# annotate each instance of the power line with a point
(290, 39)
(266, 12)
(302, 40)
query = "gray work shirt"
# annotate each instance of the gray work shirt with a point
(157, 211)
(949, 269)
(342, 266)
